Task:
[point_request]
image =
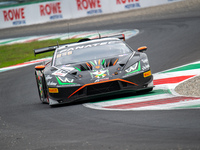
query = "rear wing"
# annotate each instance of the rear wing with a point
(53, 48)
(119, 36)
(44, 50)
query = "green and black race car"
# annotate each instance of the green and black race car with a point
(92, 67)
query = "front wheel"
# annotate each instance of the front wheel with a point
(40, 86)
(148, 90)
(144, 91)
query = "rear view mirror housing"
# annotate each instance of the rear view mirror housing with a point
(142, 49)
(39, 68)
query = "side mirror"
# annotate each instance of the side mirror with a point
(142, 49)
(39, 68)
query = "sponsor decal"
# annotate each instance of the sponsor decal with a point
(145, 60)
(67, 68)
(97, 11)
(69, 50)
(146, 74)
(60, 73)
(91, 6)
(17, 16)
(125, 1)
(63, 53)
(129, 4)
(53, 90)
(100, 80)
(51, 83)
(63, 71)
(145, 67)
(48, 77)
(53, 10)
(100, 74)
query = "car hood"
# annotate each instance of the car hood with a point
(95, 70)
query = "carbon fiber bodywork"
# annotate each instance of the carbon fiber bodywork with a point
(120, 72)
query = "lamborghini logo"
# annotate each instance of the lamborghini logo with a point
(100, 74)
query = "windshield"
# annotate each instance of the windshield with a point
(85, 53)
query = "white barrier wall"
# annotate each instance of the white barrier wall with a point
(68, 9)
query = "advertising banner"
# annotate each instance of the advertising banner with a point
(13, 17)
(68, 9)
(34, 14)
(125, 5)
(82, 8)
(48, 11)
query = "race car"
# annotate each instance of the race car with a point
(91, 68)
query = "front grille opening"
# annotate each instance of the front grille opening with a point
(124, 84)
(103, 88)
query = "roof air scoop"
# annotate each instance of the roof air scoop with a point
(74, 73)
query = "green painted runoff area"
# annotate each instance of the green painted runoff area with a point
(188, 67)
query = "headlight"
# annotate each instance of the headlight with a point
(66, 80)
(132, 68)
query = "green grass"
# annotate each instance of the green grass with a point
(19, 53)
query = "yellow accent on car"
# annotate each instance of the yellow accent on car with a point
(146, 74)
(53, 90)
(97, 67)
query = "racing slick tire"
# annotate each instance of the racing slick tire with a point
(41, 89)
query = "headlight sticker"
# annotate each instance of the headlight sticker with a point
(134, 68)
(70, 83)
(64, 79)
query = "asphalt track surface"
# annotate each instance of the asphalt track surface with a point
(25, 123)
